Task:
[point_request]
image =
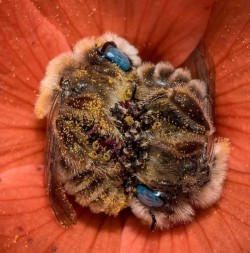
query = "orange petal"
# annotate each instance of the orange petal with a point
(227, 39)
(27, 223)
(162, 30)
(227, 228)
(28, 42)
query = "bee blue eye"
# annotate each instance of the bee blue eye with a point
(112, 53)
(148, 197)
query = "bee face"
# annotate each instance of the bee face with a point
(122, 133)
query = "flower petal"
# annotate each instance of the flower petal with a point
(227, 39)
(27, 223)
(162, 30)
(228, 42)
(28, 42)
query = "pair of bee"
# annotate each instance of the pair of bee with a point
(122, 133)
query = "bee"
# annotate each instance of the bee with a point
(122, 133)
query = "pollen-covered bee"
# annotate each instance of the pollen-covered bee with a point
(122, 133)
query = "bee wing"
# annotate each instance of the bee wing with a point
(201, 65)
(59, 201)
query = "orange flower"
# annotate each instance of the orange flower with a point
(32, 33)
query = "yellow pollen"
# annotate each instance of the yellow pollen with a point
(156, 125)
(95, 145)
(129, 120)
(93, 155)
(106, 156)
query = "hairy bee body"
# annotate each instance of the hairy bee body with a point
(122, 133)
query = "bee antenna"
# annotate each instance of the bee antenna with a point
(154, 222)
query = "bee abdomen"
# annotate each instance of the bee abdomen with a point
(190, 107)
(97, 192)
(180, 120)
(92, 191)
(111, 201)
(79, 182)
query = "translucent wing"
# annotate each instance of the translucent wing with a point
(59, 201)
(201, 65)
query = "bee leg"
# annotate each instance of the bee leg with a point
(154, 222)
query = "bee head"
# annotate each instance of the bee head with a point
(109, 50)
